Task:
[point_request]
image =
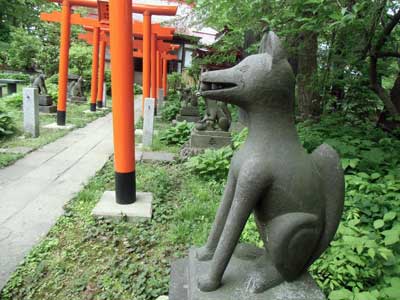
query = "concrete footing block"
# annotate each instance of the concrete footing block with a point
(55, 126)
(108, 207)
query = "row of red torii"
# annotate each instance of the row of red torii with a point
(115, 27)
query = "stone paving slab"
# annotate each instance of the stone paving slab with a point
(16, 150)
(158, 156)
(34, 190)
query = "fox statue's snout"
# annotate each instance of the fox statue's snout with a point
(259, 79)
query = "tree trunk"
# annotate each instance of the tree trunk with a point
(309, 101)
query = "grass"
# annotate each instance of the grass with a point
(75, 116)
(84, 258)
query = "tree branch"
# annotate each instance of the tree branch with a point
(387, 31)
(388, 54)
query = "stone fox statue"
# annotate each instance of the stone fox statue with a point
(297, 198)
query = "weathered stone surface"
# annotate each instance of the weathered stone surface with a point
(45, 100)
(190, 111)
(189, 119)
(108, 207)
(158, 156)
(148, 122)
(52, 109)
(210, 139)
(16, 150)
(297, 199)
(31, 111)
(56, 126)
(236, 282)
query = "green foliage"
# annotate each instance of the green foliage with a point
(16, 76)
(138, 89)
(175, 81)
(171, 107)
(7, 127)
(52, 90)
(214, 164)
(81, 60)
(178, 134)
(22, 50)
(12, 102)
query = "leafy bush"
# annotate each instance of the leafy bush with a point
(171, 107)
(13, 101)
(214, 164)
(174, 81)
(178, 134)
(16, 76)
(52, 90)
(138, 89)
(7, 127)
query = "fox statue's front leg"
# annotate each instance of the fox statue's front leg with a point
(206, 252)
(251, 183)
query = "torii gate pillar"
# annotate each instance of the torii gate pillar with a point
(122, 93)
(64, 59)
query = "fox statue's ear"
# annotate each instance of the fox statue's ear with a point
(272, 45)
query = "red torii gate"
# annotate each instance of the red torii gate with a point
(118, 14)
(162, 54)
(103, 9)
(97, 27)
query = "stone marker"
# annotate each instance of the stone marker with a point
(31, 111)
(297, 198)
(148, 122)
(104, 95)
(160, 100)
(108, 207)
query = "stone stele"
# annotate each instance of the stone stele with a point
(297, 198)
(236, 282)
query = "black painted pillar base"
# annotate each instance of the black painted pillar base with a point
(100, 104)
(93, 107)
(61, 118)
(125, 188)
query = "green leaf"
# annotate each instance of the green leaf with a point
(379, 224)
(390, 216)
(341, 295)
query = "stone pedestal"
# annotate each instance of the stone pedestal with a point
(46, 105)
(210, 139)
(236, 280)
(189, 114)
(108, 207)
(31, 111)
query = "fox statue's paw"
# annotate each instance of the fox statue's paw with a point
(207, 284)
(263, 279)
(204, 253)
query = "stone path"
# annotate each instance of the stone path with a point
(34, 190)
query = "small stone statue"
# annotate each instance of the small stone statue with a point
(297, 198)
(77, 89)
(217, 115)
(40, 84)
(189, 111)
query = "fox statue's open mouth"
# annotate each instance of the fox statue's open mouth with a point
(210, 87)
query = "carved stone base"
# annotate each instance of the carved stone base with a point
(190, 111)
(78, 99)
(210, 139)
(51, 109)
(45, 100)
(189, 119)
(235, 283)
